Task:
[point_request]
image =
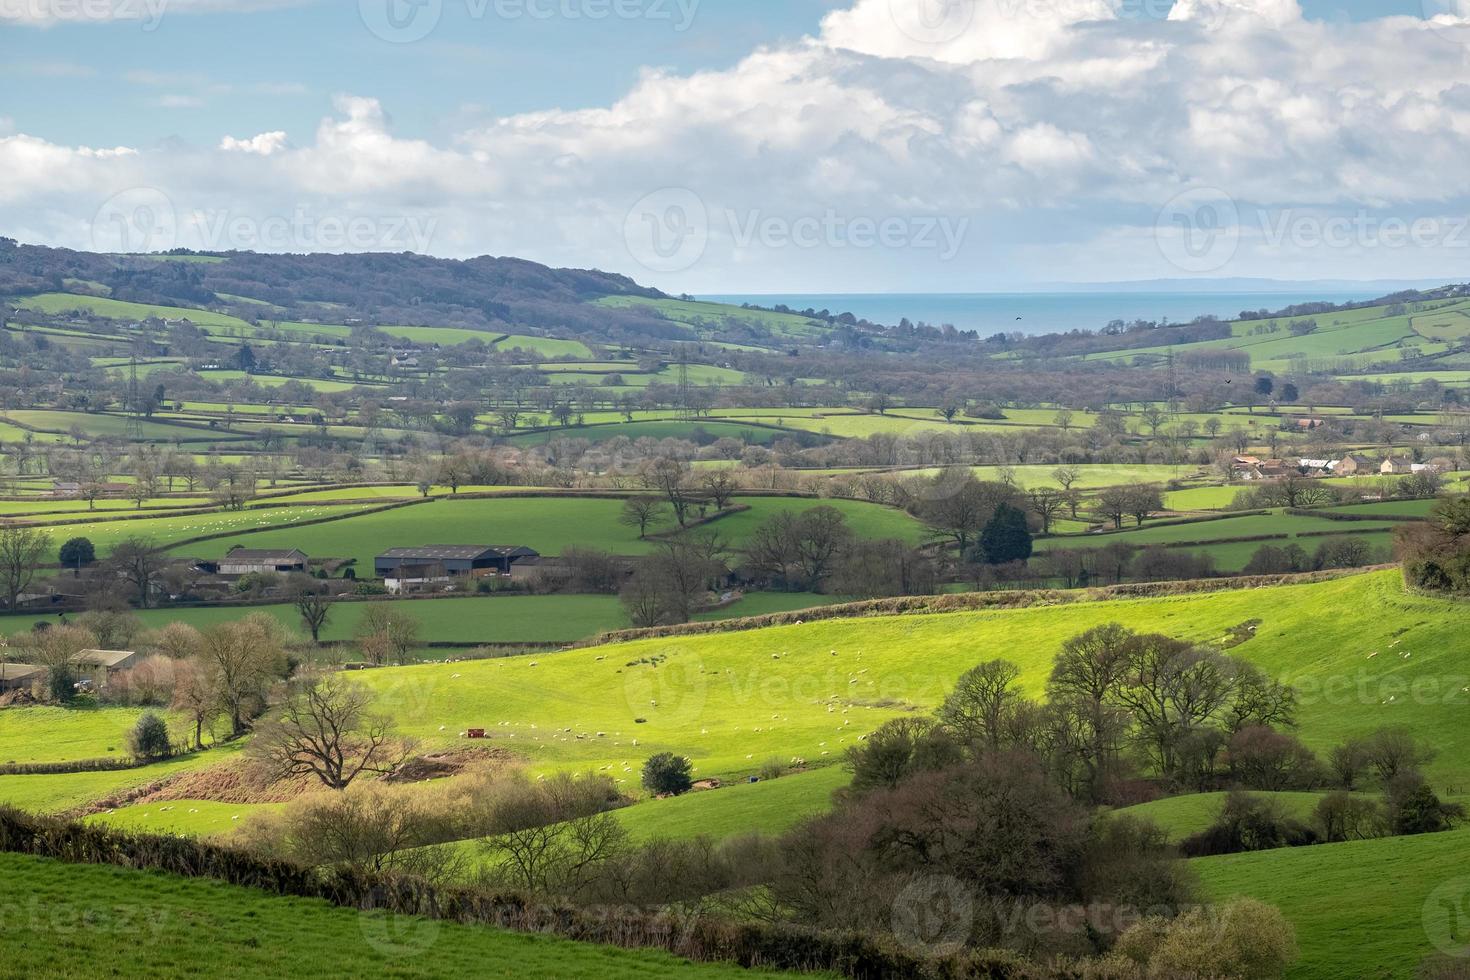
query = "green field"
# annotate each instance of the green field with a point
(1185, 815)
(63, 734)
(170, 530)
(135, 923)
(186, 818)
(548, 524)
(1362, 909)
(116, 309)
(733, 702)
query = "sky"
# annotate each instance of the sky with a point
(747, 146)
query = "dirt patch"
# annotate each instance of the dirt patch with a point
(452, 762)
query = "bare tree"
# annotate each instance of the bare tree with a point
(315, 609)
(387, 635)
(21, 552)
(642, 512)
(1046, 503)
(720, 485)
(140, 563)
(327, 728)
(242, 658)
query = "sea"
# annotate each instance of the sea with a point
(1040, 313)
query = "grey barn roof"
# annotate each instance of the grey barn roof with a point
(458, 552)
(250, 554)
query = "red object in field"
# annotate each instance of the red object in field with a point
(476, 733)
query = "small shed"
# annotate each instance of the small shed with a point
(440, 563)
(19, 677)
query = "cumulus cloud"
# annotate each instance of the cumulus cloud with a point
(933, 146)
(263, 144)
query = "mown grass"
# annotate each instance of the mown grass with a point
(86, 920)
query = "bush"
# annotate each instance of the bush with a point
(1244, 939)
(149, 738)
(1413, 807)
(1248, 823)
(667, 774)
(1343, 817)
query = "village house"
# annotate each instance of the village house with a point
(1396, 465)
(248, 561)
(1355, 464)
(401, 568)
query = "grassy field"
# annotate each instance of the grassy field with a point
(771, 807)
(548, 524)
(731, 702)
(1185, 815)
(704, 431)
(170, 530)
(63, 734)
(186, 818)
(116, 309)
(148, 924)
(1362, 909)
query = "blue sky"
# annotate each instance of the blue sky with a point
(106, 84)
(728, 146)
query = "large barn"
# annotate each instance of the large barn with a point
(400, 567)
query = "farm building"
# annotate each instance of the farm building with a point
(1355, 464)
(99, 665)
(402, 567)
(245, 561)
(19, 677)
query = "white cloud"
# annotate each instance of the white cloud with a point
(262, 145)
(1053, 131)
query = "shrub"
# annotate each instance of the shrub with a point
(1413, 807)
(1342, 817)
(149, 738)
(1243, 939)
(1262, 758)
(1248, 823)
(667, 774)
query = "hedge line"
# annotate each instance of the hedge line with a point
(1328, 515)
(700, 938)
(977, 602)
(117, 764)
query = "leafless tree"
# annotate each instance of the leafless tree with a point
(22, 550)
(327, 728)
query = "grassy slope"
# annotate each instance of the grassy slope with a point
(1361, 909)
(63, 734)
(167, 530)
(733, 701)
(147, 924)
(1185, 815)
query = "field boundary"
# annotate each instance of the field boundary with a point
(979, 602)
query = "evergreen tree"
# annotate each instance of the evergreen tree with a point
(1006, 538)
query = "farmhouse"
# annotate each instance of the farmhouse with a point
(1355, 464)
(402, 567)
(1394, 465)
(245, 561)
